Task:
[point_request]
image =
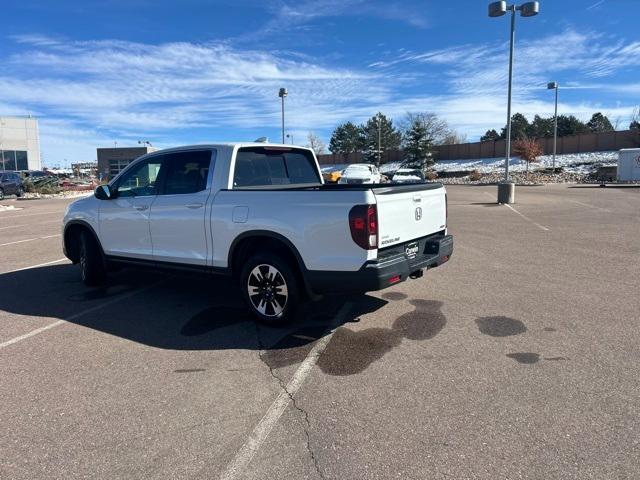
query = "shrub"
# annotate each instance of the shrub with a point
(475, 176)
(528, 149)
(431, 175)
(45, 185)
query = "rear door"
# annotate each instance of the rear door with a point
(177, 219)
(407, 213)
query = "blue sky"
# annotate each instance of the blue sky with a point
(194, 71)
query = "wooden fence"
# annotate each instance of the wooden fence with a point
(584, 142)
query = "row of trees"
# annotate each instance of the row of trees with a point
(416, 135)
(419, 132)
(542, 127)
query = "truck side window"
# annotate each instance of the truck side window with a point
(262, 166)
(140, 179)
(187, 172)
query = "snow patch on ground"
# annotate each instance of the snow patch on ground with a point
(7, 208)
(572, 162)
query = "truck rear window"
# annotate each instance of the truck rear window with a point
(264, 166)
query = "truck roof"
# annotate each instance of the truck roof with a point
(231, 145)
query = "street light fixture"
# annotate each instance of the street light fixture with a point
(290, 137)
(144, 142)
(282, 93)
(506, 189)
(554, 86)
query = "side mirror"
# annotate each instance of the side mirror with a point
(103, 192)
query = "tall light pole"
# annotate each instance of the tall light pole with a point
(379, 135)
(4, 165)
(506, 190)
(282, 93)
(554, 86)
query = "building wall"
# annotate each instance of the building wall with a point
(20, 134)
(112, 160)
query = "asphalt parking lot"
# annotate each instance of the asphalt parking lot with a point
(517, 359)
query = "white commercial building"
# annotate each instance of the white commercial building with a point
(19, 144)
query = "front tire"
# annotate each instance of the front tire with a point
(270, 289)
(1, 194)
(92, 269)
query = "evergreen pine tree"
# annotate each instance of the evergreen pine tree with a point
(379, 130)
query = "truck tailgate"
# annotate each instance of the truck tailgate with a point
(410, 211)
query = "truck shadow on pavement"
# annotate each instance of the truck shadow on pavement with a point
(207, 313)
(170, 311)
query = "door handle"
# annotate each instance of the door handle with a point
(141, 208)
(194, 205)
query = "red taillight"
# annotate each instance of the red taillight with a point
(363, 223)
(395, 279)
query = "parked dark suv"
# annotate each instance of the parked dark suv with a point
(10, 184)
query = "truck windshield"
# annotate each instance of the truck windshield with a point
(263, 166)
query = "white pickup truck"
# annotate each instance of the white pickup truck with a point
(261, 213)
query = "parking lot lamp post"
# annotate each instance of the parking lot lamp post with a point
(379, 137)
(497, 9)
(554, 86)
(282, 93)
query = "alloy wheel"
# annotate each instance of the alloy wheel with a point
(267, 290)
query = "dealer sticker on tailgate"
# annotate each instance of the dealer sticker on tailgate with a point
(411, 250)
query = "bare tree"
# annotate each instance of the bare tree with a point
(315, 143)
(454, 138)
(436, 129)
(635, 119)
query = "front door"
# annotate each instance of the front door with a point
(124, 220)
(177, 220)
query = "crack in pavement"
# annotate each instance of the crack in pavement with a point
(283, 386)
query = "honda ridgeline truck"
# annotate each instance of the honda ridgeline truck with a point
(261, 213)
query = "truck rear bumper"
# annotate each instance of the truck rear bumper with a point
(395, 265)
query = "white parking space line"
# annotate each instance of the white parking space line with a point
(541, 227)
(4, 216)
(238, 465)
(32, 333)
(30, 225)
(37, 331)
(29, 240)
(35, 266)
(589, 206)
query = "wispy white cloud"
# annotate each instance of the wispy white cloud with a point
(304, 11)
(595, 5)
(91, 93)
(475, 76)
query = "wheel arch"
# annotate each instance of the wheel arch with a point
(71, 238)
(248, 243)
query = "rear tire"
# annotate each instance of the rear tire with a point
(270, 289)
(20, 192)
(1, 194)
(92, 269)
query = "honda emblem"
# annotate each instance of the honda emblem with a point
(418, 213)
